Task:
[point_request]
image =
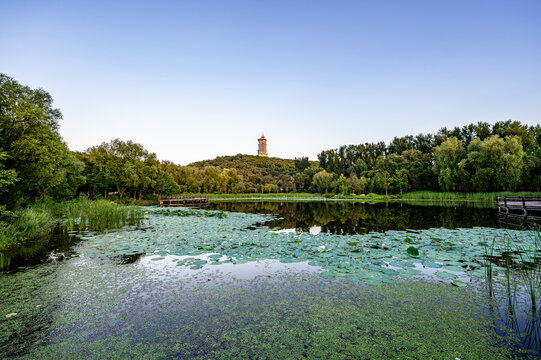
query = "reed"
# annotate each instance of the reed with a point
(98, 215)
(28, 223)
(446, 196)
(488, 254)
(41, 218)
(509, 265)
(530, 272)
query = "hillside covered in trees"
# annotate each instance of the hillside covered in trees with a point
(36, 163)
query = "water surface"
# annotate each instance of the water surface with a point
(204, 286)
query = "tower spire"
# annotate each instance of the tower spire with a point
(262, 145)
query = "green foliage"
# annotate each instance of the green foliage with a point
(40, 219)
(31, 145)
(322, 181)
(477, 157)
(7, 177)
(96, 215)
(444, 196)
(126, 165)
(244, 162)
(36, 164)
(413, 251)
(447, 157)
(302, 163)
(28, 223)
(494, 164)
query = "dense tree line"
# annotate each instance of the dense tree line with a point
(478, 157)
(36, 163)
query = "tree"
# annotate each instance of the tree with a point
(447, 157)
(322, 181)
(302, 163)
(341, 185)
(494, 163)
(383, 180)
(123, 163)
(8, 177)
(166, 185)
(356, 185)
(30, 140)
(72, 179)
(212, 179)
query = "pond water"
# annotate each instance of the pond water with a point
(346, 217)
(280, 280)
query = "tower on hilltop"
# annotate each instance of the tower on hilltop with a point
(262, 146)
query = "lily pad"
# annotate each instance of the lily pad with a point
(458, 283)
(413, 251)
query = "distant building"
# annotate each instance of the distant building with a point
(262, 146)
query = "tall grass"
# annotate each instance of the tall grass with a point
(530, 272)
(522, 268)
(262, 195)
(28, 223)
(41, 218)
(451, 203)
(98, 215)
(445, 196)
(488, 255)
(508, 275)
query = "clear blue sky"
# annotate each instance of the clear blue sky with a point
(191, 80)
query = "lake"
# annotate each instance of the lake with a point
(280, 280)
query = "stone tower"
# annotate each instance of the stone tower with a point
(262, 146)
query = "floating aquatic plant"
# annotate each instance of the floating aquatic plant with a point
(360, 258)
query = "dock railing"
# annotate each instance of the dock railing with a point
(519, 206)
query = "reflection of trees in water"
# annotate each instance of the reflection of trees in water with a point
(38, 250)
(358, 218)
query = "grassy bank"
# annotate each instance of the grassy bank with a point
(265, 196)
(41, 218)
(414, 195)
(295, 196)
(445, 196)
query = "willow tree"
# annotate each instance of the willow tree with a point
(447, 158)
(494, 164)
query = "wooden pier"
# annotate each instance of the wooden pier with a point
(528, 208)
(183, 200)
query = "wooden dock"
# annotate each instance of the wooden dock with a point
(183, 200)
(528, 208)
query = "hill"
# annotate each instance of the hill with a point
(250, 162)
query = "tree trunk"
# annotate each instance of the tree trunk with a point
(120, 192)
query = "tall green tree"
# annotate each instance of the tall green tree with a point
(447, 157)
(30, 140)
(322, 181)
(494, 164)
(123, 163)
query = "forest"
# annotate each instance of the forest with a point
(36, 163)
(478, 157)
